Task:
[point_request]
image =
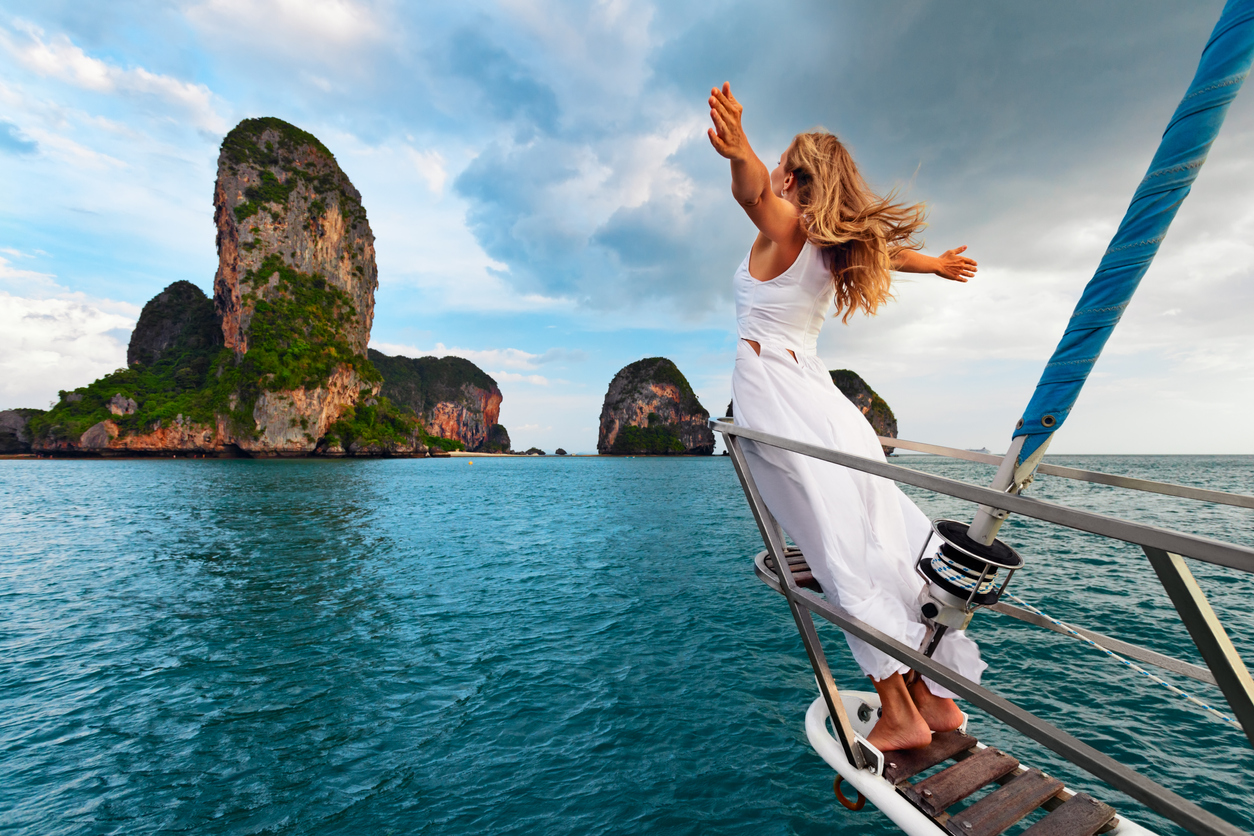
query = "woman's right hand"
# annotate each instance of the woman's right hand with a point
(727, 136)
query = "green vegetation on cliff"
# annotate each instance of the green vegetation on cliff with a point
(374, 423)
(270, 191)
(282, 158)
(303, 316)
(296, 337)
(296, 340)
(653, 389)
(658, 370)
(176, 329)
(421, 383)
(162, 393)
(853, 387)
(656, 439)
(498, 440)
(177, 365)
(243, 144)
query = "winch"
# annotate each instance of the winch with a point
(962, 575)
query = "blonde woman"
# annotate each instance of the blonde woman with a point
(824, 237)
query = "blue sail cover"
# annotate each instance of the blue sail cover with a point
(1225, 64)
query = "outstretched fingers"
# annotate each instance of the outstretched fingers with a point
(955, 266)
(726, 136)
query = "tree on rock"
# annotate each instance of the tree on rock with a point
(650, 408)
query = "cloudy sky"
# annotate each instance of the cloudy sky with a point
(546, 203)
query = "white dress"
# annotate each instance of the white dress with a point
(860, 534)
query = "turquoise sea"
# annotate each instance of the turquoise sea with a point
(556, 646)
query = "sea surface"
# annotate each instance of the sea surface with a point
(555, 646)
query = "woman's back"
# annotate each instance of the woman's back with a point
(788, 310)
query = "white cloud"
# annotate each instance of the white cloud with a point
(73, 152)
(507, 358)
(307, 25)
(14, 277)
(58, 57)
(431, 166)
(515, 377)
(57, 342)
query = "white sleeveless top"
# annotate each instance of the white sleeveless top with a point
(789, 310)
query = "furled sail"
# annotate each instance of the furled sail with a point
(1224, 66)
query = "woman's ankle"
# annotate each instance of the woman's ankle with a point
(900, 726)
(940, 713)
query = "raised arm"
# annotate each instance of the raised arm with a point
(951, 264)
(775, 218)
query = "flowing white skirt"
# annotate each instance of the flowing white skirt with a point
(860, 534)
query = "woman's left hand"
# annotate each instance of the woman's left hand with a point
(953, 265)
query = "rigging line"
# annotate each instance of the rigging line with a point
(1214, 712)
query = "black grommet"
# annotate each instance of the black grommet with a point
(1048, 421)
(1019, 425)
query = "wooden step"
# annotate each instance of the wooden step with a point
(996, 812)
(801, 574)
(949, 786)
(1083, 815)
(906, 763)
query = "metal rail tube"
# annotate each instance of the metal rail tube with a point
(773, 536)
(1198, 548)
(1208, 634)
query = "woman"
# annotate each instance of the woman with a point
(824, 236)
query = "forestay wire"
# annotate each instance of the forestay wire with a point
(1224, 65)
(1179, 692)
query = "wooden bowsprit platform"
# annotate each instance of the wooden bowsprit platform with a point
(1019, 793)
(970, 768)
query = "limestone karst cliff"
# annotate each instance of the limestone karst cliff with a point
(453, 398)
(281, 197)
(650, 408)
(295, 284)
(178, 320)
(14, 431)
(276, 365)
(876, 410)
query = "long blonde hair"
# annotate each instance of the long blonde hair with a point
(858, 231)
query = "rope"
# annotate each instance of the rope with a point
(1209, 709)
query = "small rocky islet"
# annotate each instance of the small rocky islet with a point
(650, 409)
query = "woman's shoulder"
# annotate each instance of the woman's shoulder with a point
(813, 262)
(769, 260)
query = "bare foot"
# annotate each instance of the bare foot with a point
(940, 714)
(900, 726)
(909, 732)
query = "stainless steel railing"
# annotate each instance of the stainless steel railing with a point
(1147, 485)
(1164, 548)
